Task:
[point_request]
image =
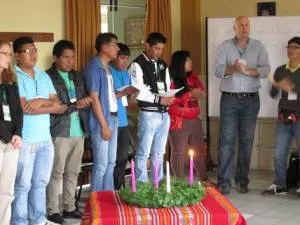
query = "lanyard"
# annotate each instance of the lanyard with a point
(69, 83)
(3, 94)
(67, 80)
(36, 88)
(241, 51)
(156, 69)
(70, 87)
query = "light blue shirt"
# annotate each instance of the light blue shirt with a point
(256, 56)
(36, 128)
(121, 78)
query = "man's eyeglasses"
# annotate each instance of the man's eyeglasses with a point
(28, 50)
(292, 47)
(6, 53)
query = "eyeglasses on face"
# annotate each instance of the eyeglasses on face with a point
(292, 47)
(28, 50)
(6, 53)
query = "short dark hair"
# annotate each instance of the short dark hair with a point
(155, 38)
(104, 38)
(295, 40)
(19, 42)
(60, 46)
(124, 49)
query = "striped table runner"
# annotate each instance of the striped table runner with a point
(106, 208)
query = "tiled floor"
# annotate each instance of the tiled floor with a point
(266, 210)
(257, 209)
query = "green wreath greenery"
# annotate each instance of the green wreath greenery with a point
(182, 194)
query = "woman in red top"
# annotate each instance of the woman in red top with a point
(186, 128)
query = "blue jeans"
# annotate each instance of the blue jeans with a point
(104, 158)
(33, 174)
(153, 129)
(284, 135)
(237, 119)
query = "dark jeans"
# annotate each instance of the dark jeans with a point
(284, 135)
(122, 156)
(237, 119)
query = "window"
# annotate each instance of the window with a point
(115, 17)
(104, 22)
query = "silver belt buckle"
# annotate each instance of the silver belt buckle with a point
(241, 95)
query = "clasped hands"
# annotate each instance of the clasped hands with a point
(240, 67)
(84, 102)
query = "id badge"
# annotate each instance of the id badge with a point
(124, 101)
(292, 95)
(161, 87)
(72, 95)
(243, 62)
(6, 112)
(72, 100)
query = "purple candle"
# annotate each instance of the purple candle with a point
(133, 182)
(156, 172)
(191, 175)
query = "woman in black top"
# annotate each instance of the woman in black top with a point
(11, 119)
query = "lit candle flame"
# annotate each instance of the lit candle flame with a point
(191, 152)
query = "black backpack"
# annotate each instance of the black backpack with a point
(293, 177)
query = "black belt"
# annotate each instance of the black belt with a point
(113, 113)
(241, 94)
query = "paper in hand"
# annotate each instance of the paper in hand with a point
(170, 93)
(122, 88)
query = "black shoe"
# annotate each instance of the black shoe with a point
(243, 188)
(275, 190)
(55, 218)
(224, 189)
(75, 214)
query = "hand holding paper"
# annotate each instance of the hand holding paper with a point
(170, 93)
(122, 88)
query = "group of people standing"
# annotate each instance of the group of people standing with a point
(45, 118)
(43, 127)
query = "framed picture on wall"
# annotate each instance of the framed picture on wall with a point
(134, 32)
(266, 8)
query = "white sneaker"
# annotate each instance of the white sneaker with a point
(47, 222)
(274, 189)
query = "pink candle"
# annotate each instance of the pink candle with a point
(156, 172)
(133, 182)
(191, 175)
